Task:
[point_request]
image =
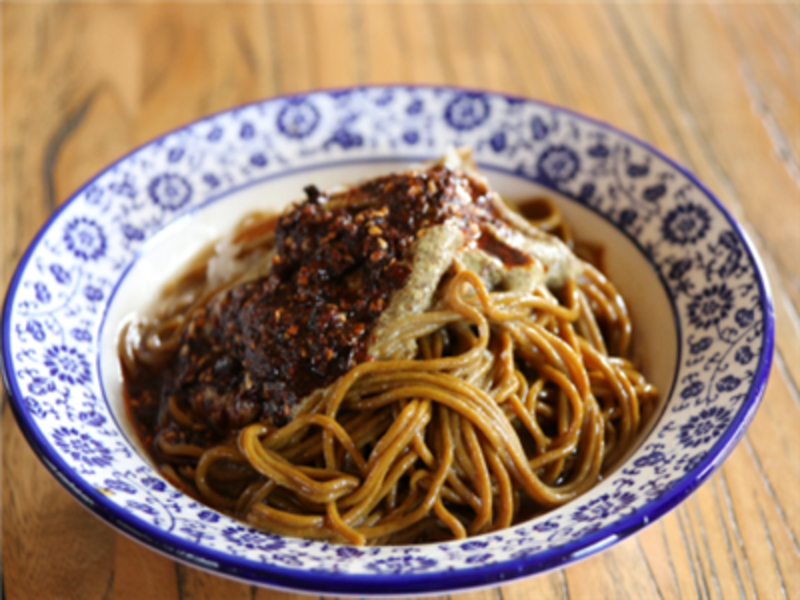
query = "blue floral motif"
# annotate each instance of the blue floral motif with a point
(125, 188)
(654, 192)
(744, 317)
(252, 538)
(587, 191)
(85, 239)
(39, 386)
(744, 355)
(92, 418)
(478, 559)
(93, 294)
(67, 365)
(35, 408)
(133, 234)
(686, 224)
(142, 507)
(42, 293)
(599, 150)
(650, 460)
(498, 141)
(604, 506)
(94, 194)
(60, 273)
(120, 486)
(170, 191)
(711, 306)
(36, 330)
(196, 532)
(401, 564)
(704, 427)
(349, 552)
(638, 170)
(680, 268)
(209, 516)
(298, 119)
(730, 257)
(175, 155)
(728, 240)
(701, 345)
(247, 131)
(728, 383)
(82, 447)
(473, 545)
(384, 99)
(287, 559)
(539, 128)
(627, 217)
(467, 111)
(558, 164)
(410, 137)
(415, 107)
(211, 179)
(692, 462)
(692, 390)
(346, 139)
(258, 160)
(81, 335)
(549, 525)
(154, 484)
(656, 488)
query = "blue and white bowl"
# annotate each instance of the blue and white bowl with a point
(698, 294)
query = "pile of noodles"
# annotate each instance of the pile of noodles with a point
(515, 404)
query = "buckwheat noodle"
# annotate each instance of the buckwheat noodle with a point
(516, 404)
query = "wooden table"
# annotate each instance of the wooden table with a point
(716, 86)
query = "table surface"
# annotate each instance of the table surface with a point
(716, 86)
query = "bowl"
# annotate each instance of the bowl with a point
(698, 294)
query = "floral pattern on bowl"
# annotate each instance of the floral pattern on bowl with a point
(59, 296)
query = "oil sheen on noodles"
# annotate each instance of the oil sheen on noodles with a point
(494, 403)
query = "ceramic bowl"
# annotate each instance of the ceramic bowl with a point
(697, 291)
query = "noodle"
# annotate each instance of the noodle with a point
(511, 403)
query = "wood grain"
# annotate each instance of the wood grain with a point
(715, 85)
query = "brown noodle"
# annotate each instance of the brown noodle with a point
(516, 403)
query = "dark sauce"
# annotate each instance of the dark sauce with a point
(255, 351)
(510, 257)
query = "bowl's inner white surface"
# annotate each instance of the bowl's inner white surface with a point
(655, 334)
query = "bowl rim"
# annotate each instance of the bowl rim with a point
(274, 575)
